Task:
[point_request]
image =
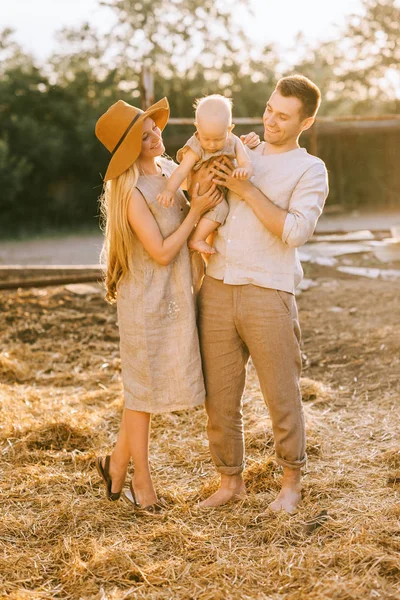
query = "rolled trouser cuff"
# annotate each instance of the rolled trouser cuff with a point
(291, 464)
(230, 470)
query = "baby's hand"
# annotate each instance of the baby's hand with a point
(240, 173)
(251, 140)
(166, 198)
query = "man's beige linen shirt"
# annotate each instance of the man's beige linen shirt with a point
(247, 252)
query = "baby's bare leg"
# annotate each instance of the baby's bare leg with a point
(198, 238)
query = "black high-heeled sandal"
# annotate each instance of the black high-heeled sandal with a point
(104, 473)
(151, 508)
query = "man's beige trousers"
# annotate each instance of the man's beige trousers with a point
(235, 322)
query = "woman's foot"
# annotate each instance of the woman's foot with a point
(118, 475)
(232, 488)
(144, 492)
(289, 497)
(201, 246)
(113, 477)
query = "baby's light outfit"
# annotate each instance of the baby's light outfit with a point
(220, 212)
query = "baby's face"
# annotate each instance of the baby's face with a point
(212, 136)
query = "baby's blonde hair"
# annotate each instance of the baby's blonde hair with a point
(118, 235)
(214, 105)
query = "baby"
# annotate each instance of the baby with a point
(213, 138)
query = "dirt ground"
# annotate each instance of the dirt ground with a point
(61, 400)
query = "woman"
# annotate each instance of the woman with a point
(149, 275)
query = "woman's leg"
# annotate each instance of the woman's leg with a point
(137, 425)
(120, 457)
(133, 441)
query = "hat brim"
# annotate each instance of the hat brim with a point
(131, 147)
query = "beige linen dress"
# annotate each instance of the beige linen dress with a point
(160, 356)
(220, 212)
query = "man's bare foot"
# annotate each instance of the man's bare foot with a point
(289, 497)
(287, 500)
(232, 487)
(201, 246)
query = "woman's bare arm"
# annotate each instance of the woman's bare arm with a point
(146, 228)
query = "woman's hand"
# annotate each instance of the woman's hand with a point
(223, 170)
(206, 201)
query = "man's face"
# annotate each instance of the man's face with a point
(283, 121)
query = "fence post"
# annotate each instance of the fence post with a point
(314, 139)
(147, 87)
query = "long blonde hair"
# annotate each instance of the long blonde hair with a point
(118, 235)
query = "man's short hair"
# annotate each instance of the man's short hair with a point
(304, 89)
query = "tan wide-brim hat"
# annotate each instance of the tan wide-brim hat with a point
(120, 131)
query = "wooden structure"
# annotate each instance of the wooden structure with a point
(27, 276)
(324, 125)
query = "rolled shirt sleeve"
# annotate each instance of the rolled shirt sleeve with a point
(305, 206)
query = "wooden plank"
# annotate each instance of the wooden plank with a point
(49, 268)
(13, 284)
(25, 276)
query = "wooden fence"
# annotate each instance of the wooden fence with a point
(361, 154)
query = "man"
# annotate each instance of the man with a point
(247, 305)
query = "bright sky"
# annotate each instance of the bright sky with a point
(278, 21)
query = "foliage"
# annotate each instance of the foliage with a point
(374, 51)
(358, 73)
(173, 35)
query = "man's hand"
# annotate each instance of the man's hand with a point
(203, 176)
(223, 175)
(271, 216)
(251, 140)
(166, 198)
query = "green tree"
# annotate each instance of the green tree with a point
(14, 173)
(358, 71)
(46, 143)
(174, 35)
(188, 45)
(372, 56)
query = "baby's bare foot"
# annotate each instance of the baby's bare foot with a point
(201, 246)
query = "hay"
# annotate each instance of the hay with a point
(12, 369)
(61, 397)
(315, 391)
(392, 458)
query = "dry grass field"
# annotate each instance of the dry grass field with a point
(61, 399)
